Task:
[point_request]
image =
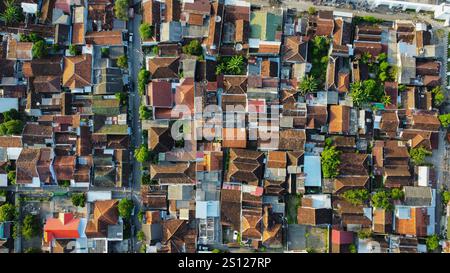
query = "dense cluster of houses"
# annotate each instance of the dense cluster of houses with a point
(296, 91)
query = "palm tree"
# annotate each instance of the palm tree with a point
(221, 69)
(386, 100)
(12, 13)
(365, 57)
(308, 85)
(234, 65)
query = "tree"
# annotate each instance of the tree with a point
(146, 31)
(312, 10)
(144, 112)
(358, 94)
(140, 236)
(234, 65)
(418, 155)
(221, 69)
(352, 248)
(39, 49)
(30, 226)
(365, 233)
(32, 250)
(7, 212)
(366, 57)
(64, 183)
(446, 197)
(308, 85)
(10, 115)
(78, 199)
(401, 87)
(142, 154)
(330, 159)
(432, 242)
(145, 179)
(125, 208)
(397, 194)
(386, 100)
(445, 119)
(121, 9)
(12, 14)
(12, 177)
(104, 52)
(193, 48)
(382, 57)
(11, 127)
(382, 199)
(357, 196)
(143, 78)
(439, 96)
(121, 97)
(122, 62)
(73, 50)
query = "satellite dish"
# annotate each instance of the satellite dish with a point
(218, 19)
(238, 47)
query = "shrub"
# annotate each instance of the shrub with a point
(357, 196)
(418, 155)
(382, 199)
(122, 62)
(144, 112)
(125, 208)
(397, 194)
(142, 154)
(121, 9)
(146, 31)
(73, 50)
(39, 49)
(330, 159)
(78, 199)
(446, 197)
(432, 242)
(140, 236)
(12, 13)
(7, 212)
(30, 226)
(104, 51)
(193, 48)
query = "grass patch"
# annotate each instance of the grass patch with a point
(293, 202)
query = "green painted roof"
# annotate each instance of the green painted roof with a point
(264, 25)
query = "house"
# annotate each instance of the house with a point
(341, 240)
(312, 169)
(315, 210)
(177, 173)
(245, 166)
(295, 49)
(163, 67)
(178, 237)
(339, 119)
(18, 51)
(65, 227)
(152, 227)
(77, 71)
(159, 139)
(230, 210)
(105, 222)
(33, 167)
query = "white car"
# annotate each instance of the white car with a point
(130, 37)
(235, 235)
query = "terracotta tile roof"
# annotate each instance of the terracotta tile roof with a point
(105, 213)
(313, 216)
(195, 19)
(316, 116)
(350, 182)
(373, 48)
(276, 159)
(10, 141)
(429, 122)
(18, 50)
(178, 173)
(173, 8)
(47, 84)
(416, 224)
(390, 123)
(160, 94)
(151, 12)
(325, 23)
(198, 6)
(339, 119)
(43, 67)
(26, 165)
(251, 227)
(343, 81)
(105, 38)
(163, 67)
(185, 94)
(295, 49)
(354, 164)
(428, 68)
(65, 226)
(235, 84)
(78, 33)
(159, 139)
(230, 208)
(234, 137)
(64, 167)
(77, 71)
(292, 139)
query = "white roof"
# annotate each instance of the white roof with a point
(3, 180)
(423, 176)
(29, 7)
(93, 196)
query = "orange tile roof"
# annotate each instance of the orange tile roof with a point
(415, 225)
(234, 137)
(77, 71)
(78, 32)
(63, 227)
(109, 38)
(339, 119)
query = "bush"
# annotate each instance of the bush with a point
(30, 226)
(144, 112)
(312, 10)
(125, 208)
(39, 49)
(121, 9)
(33, 250)
(193, 48)
(122, 62)
(230, 65)
(352, 248)
(308, 85)
(445, 197)
(12, 177)
(418, 155)
(356, 197)
(121, 97)
(439, 96)
(11, 127)
(143, 78)
(79, 199)
(7, 212)
(432, 242)
(145, 179)
(73, 50)
(397, 194)
(10, 115)
(140, 236)
(382, 199)
(146, 31)
(142, 154)
(64, 183)
(330, 159)
(12, 13)
(104, 52)
(364, 233)
(445, 119)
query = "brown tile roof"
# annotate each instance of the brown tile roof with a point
(163, 67)
(10, 141)
(159, 139)
(350, 182)
(43, 67)
(151, 12)
(154, 199)
(18, 50)
(427, 68)
(313, 216)
(235, 84)
(295, 49)
(26, 165)
(105, 38)
(178, 173)
(276, 159)
(245, 166)
(373, 48)
(343, 81)
(234, 138)
(105, 213)
(339, 119)
(47, 84)
(251, 227)
(382, 221)
(416, 225)
(77, 71)
(429, 122)
(34, 133)
(195, 19)
(354, 164)
(325, 23)
(389, 123)
(64, 167)
(173, 8)
(78, 32)
(160, 94)
(185, 94)
(230, 208)
(317, 116)
(292, 139)
(233, 100)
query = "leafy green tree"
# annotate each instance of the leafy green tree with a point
(221, 68)
(145, 179)
(386, 100)
(142, 154)
(194, 47)
(10, 115)
(401, 87)
(144, 112)
(122, 62)
(122, 97)
(12, 13)
(312, 10)
(432, 242)
(32, 250)
(352, 248)
(11, 127)
(439, 95)
(73, 50)
(104, 52)
(397, 194)
(366, 57)
(155, 50)
(121, 9)
(39, 49)
(330, 159)
(7, 212)
(445, 119)
(30, 226)
(308, 85)
(143, 78)
(234, 65)
(365, 233)
(382, 57)
(12, 177)
(418, 155)
(146, 31)
(140, 236)
(446, 197)
(382, 199)
(357, 196)
(125, 208)
(79, 199)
